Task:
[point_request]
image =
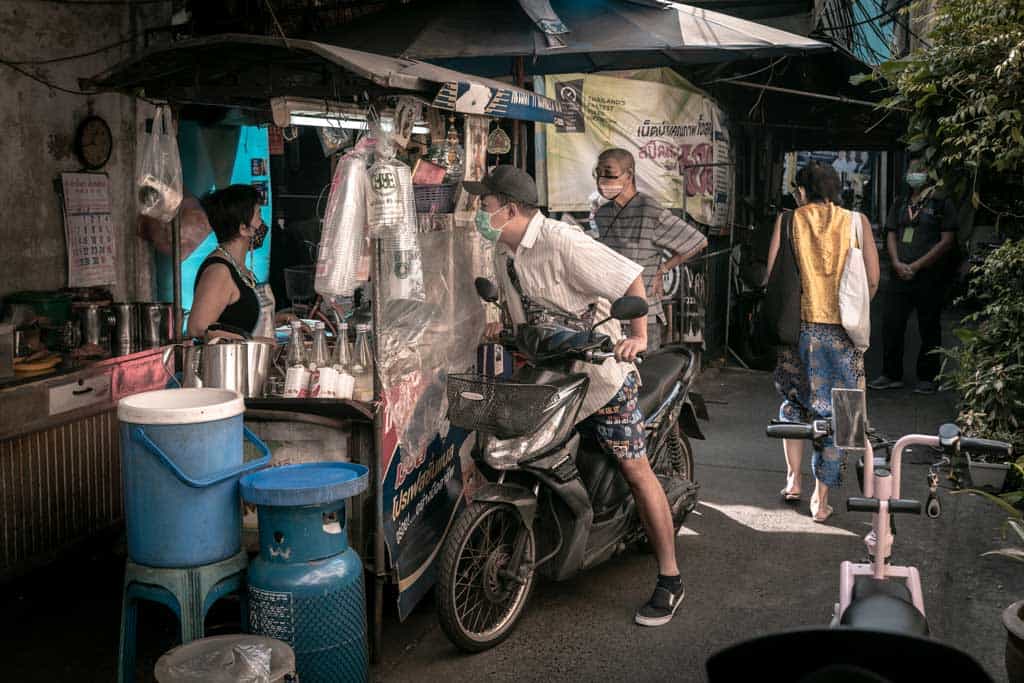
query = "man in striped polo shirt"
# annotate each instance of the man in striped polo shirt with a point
(638, 227)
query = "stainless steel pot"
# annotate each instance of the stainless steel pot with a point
(123, 339)
(259, 359)
(155, 324)
(96, 321)
(239, 366)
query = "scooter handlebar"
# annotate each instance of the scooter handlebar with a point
(602, 356)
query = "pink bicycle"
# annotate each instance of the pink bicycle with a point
(878, 630)
(869, 597)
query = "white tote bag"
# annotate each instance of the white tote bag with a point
(854, 295)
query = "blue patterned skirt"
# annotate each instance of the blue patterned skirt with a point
(805, 375)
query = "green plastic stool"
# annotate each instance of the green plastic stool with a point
(189, 592)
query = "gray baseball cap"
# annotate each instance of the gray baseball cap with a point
(507, 180)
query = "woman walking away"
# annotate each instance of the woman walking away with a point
(825, 357)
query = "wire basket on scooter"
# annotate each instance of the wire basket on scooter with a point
(506, 409)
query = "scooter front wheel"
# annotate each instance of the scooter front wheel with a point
(480, 596)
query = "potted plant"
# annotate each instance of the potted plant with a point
(1012, 502)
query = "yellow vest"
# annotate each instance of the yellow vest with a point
(821, 239)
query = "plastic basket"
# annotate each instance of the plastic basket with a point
(506, 409)
(435, 198)
(298, 283)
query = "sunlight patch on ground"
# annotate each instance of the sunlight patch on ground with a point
(775, 520)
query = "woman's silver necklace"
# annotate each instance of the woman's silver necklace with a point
(246, 276)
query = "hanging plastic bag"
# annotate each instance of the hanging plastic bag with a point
(159, 179)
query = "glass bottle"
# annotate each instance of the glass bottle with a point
(342, 349)
(296, 380)
(320, 358)
(319, 362)
(362, 365)
(296, 346)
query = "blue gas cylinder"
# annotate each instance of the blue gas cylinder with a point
(306, 586)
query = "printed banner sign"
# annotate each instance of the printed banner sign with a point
(677, 136)
(420, 495)
(476, 98)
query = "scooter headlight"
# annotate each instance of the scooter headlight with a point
(503, 454)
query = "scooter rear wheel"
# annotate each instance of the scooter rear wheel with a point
(478, 603)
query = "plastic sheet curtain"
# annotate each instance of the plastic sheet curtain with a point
(420, 342)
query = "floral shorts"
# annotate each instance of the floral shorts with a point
(619, 425)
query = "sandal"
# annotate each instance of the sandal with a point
(822, 520)
(790, 496)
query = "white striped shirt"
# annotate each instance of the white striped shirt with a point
(561, 268)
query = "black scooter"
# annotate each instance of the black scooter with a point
(554, 503)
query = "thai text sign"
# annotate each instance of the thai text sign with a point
(674, 132)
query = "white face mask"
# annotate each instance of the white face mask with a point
(610, 188)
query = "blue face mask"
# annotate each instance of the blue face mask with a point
(484, 227)
(916, 179)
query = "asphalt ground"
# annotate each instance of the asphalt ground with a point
(752, 565)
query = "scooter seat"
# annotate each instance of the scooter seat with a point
(883, 606)
(658, 373)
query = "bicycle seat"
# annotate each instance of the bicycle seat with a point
(658, 373)
(883, 606)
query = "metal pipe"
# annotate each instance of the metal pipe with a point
(805, 93)
(379, 550)
(176, 269)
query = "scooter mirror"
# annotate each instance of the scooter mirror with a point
(628, 308)
(849, 418)
(486, 289)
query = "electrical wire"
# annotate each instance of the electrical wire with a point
(105, 48)
(884, 13)
(45, 82)
(906, 26)
(744, 76)
(100, 2)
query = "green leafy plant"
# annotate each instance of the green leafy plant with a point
(1012, 502)
(987, 368)
(963, 95)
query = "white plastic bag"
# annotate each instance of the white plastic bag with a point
(159, 179)
(854, 294)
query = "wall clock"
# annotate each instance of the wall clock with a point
(93, 142)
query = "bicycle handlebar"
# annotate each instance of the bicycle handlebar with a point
(790, 430)
(799, 430)
(896, 505)
(986, 446)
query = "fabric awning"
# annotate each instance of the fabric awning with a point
(598, 35)
(248, 70)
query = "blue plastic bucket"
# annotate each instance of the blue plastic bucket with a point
(181, 458)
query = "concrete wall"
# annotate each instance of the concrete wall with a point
(38, 125)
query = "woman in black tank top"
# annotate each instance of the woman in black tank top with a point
(225, 290)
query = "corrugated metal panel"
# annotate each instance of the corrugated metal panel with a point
(58, 486)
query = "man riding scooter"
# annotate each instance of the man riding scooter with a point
(549, 268)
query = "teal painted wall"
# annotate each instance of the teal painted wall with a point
(213, 157)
